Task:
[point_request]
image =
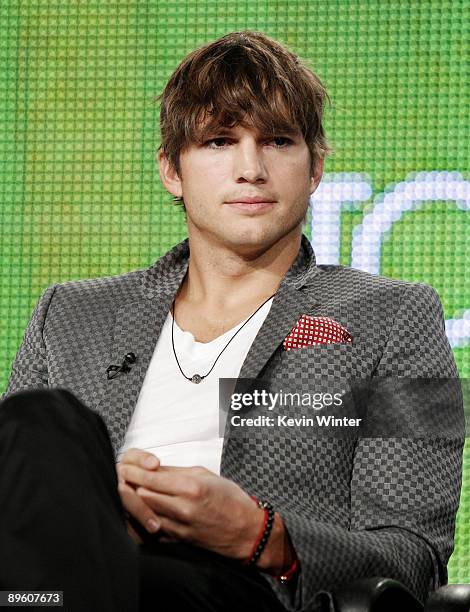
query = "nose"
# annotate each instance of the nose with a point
(248, 163)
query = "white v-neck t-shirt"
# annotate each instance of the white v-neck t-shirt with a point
(175, 419)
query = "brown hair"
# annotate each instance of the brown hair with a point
(241, 74)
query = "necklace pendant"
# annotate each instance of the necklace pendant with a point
(196, 378)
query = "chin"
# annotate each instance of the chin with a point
(253, 237)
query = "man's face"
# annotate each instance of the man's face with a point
(220, 179)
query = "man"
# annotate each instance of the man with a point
(242, 149)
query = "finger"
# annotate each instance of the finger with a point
(137, 507)
(183, 482)
(140, 457)
(173, 530)
(171, 507)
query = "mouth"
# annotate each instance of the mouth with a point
(251, 204)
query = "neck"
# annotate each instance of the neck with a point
(221, 277)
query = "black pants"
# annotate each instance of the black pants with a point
(62, 524)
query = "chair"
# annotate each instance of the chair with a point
(386, 595)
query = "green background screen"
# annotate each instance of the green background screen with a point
(79, 187)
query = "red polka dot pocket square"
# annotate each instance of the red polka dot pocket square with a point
(311, 331)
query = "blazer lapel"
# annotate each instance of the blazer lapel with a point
(289, 303)
(137, 326)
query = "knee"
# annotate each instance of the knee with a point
(34, 404)
(54, 422)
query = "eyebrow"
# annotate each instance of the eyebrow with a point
(222, 130)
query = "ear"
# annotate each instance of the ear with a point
(168, 175)
(316, 178)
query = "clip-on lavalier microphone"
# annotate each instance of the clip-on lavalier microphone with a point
(113, 370)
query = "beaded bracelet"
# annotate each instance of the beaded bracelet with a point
(262, 540)
(264, 533)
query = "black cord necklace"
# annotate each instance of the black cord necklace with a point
(197, 378)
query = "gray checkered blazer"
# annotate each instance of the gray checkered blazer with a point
(353, 508)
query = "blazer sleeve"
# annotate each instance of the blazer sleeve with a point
(29, 369)
(404, 491)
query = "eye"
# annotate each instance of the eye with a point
(284, 141)
(214, 142)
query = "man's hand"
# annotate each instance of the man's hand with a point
(191, 504)
(133, 503)
(195, 505)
